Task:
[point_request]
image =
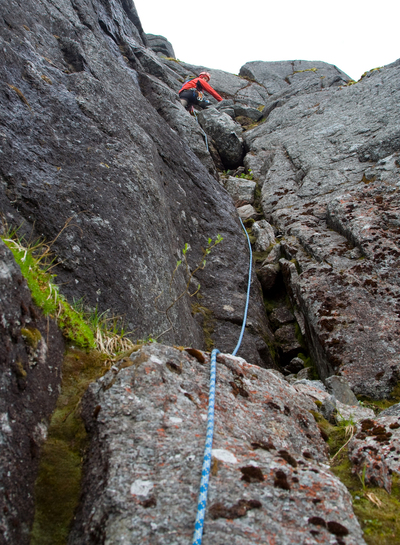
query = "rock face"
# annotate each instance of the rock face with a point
(161, 45)
(81, 141)
(269, 480)
(285, 78)
(31, 354)
(328, 164)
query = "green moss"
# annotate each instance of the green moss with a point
(382, 404)
(249, 222)
(296, 264)
(381, 524)
(259, 257)
(57, 488)
(305, 70)
(19, 370)
(308, 361)
(74, 327)
(32, 336)
(208, 324)
(171, 59)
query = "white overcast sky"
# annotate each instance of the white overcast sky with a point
(355, 35)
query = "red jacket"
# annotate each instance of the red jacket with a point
(192, 84)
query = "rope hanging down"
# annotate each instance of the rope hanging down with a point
(205, 473)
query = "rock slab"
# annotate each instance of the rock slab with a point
(269, 483)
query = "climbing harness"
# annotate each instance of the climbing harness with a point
(205, 136)
(205, 473)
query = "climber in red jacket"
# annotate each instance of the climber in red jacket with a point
(191, 93)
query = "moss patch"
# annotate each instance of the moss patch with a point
(31, 335)
(35, 266)
(382, 404)
(380, 523)
(57, 488)
(208, 324)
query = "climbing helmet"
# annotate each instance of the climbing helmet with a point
(205, 75)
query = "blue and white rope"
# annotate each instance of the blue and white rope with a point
(248, 293)
(205, 473)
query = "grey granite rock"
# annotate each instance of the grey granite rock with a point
(337, 210)
(143, 468)
(247, 212)
(281, 316)
(374, 450)
(265, 235)
(226, 134)
(339, 387)
(161, 45)
(241, 190)
(289, 346)
(293, 77)
(394, 410)
(268, 275)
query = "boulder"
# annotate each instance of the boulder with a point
(327, 404)
(268, 275)
(339, 387)
(280, 76)
(287, 341)
(281, 316)
(240, 190)
(31, 355)
(147, 422)
(226, 134)
(265, 235)
(254, 114)
(295, 365)
(160, 45)
(374, 450)
(247, 212)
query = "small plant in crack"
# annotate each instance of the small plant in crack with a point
(189, 274)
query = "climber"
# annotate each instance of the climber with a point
(191, 93)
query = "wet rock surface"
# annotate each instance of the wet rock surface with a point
(31, 354)
(80, 140)
(269, 479)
